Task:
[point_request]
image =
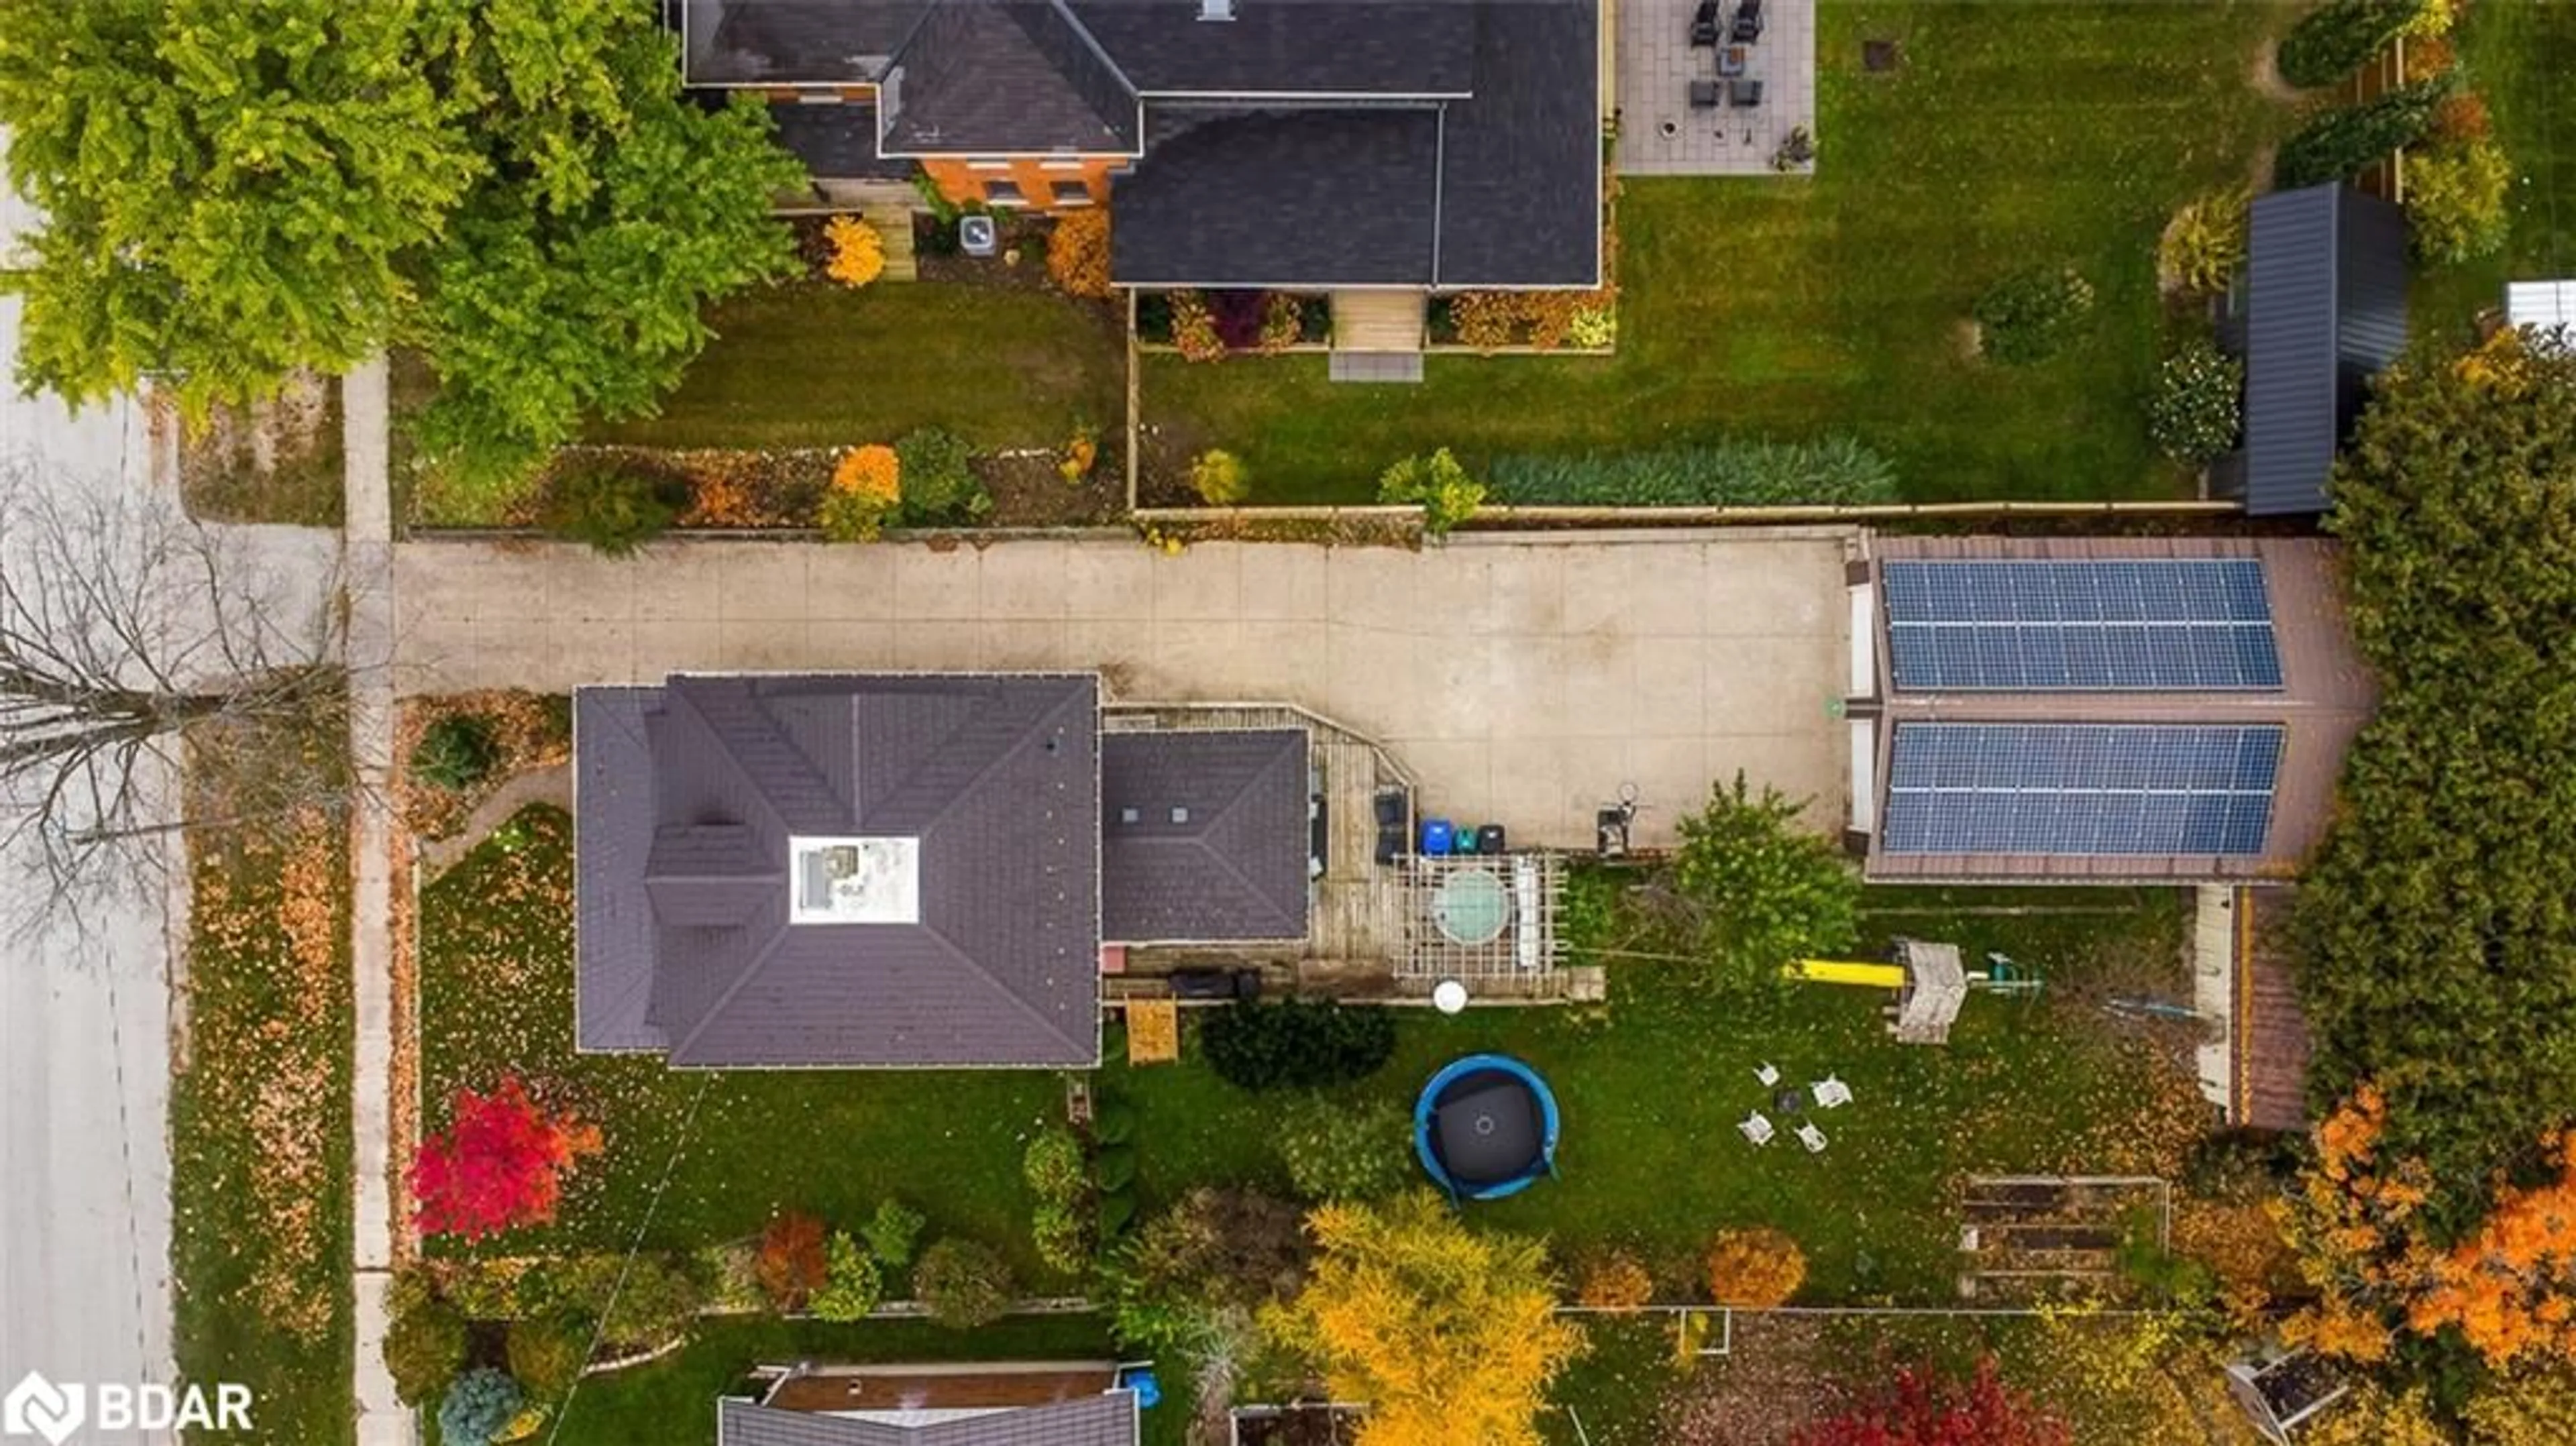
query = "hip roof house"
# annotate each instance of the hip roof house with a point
(1253, 143)
(862, 870)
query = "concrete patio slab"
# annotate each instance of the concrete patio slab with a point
(1522, 680)
(1662, 134)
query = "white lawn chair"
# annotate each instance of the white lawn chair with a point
(1830, 1093)
(1768, 1075)
(1757, 1128)
(1812, 1138)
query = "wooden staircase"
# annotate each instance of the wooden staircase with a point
(1377, 336)
(887, 207)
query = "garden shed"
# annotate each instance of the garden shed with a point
(2324, 309)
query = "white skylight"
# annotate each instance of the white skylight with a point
(854, 880)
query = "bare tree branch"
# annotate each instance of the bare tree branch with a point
(157, 677)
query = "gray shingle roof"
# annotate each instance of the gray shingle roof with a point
(1014, 77)
(2325, 310)
(792, 42)
(1312, 47)
(683, 840)
(1233, 866)
(1282, 198)
(1105, 1420)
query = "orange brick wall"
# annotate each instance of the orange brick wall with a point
(963, 182)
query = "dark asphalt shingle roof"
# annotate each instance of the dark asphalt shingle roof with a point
(1104, 1420)
(1008, 77)
(1279, 47)
(836, 142)
(2325, 310)
(790, 42)
(1281, 198)
(996, 776)
(1520, 184)
(1234, 867)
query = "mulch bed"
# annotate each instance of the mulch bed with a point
(1028, 491)
(935, 252)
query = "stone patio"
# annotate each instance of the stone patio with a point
(1660, 134)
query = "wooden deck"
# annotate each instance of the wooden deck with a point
(887, 207)
(1378, 321)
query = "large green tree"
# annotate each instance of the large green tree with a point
(2439, 921)
(234, 189)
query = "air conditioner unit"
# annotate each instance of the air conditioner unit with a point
(976, 235)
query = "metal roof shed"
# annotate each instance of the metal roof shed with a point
(2325, 310)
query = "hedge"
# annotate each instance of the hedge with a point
(2332, 42)
(1734, 473)
(2339, 144)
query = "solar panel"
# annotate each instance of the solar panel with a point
(2150, 624)
(2080, 788)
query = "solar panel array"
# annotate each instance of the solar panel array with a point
(2080, 788)
(2155, 624)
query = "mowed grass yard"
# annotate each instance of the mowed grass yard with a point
(2520, 56)
(1651, 1090)
(2015, 134)
(811, 364)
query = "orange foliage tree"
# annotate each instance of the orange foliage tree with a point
(1616, 1282)
(1755, 1269)
(2511, 1286)
(2352, 1226)
(1451, 1335)
(1078, 253)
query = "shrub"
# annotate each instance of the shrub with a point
(1283, 322)
(456, 751)
(939, 478)
(846, 517)
(1448, 496)
(2433, 18)
(1078, 254)
(1336, 1151)
(1594, 326)
(2340, 37)
(1115, 1168)
(1239, 316)
(858, 252)
(547, 1352)
(1296, 1044)
(1062, 1236)
(1081, 454)
(2030, 315)
(2205, 245)
(612, 504)
(2336, 145)
(893, 1232)
(852, 1284)
(478, 1406)
(1751, 890)
(873, 473)
(1219, 478)
(1194, 329)
(658, 1299)
(1114, 1122)
(500, 1163)
(1486, 319)
(1755, 1269)
(2455, 201)
(424, 1341)
(964, 1283)
(1053, 1165)
(1117, 1212)
(1836, 469)
(791, 1263)
(1615, 1282)
(2198, 404)
(2462, 117)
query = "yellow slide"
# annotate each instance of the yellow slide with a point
(1846, 971)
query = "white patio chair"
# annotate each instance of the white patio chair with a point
(1757, 1128)
(1812, 1138)
(1767, 1074)
(1830, 1093)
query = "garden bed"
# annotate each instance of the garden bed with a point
(1212, 325)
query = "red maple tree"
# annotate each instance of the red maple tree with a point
(1920, 1409)
(500, 1163)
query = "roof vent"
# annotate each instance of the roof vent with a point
(1131, 815)
(1180, 814)
(855, 880)
(1216, 9)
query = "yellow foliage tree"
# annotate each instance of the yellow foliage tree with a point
(2372, 1417)
(858, 253)
(1755, 1269)
(1451, 1336)
(2532, 1408)
(1078, 253)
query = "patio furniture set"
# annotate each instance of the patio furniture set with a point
(1828, 1093)
(1731, 40)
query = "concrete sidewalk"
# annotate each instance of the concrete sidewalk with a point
(1522, 679)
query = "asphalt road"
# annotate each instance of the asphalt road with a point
(84, 1043)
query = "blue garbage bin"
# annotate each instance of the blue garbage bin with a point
(1435, 836)
(1140, 1379)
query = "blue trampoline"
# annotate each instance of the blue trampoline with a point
(1485, 1127)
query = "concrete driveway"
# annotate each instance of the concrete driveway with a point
(1523, 681)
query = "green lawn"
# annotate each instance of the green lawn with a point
(809, 364)
(496, 996)
(2016, 134)
(1650, 1092)
(260, 1191)
(2519, 54)
(673, 1401)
